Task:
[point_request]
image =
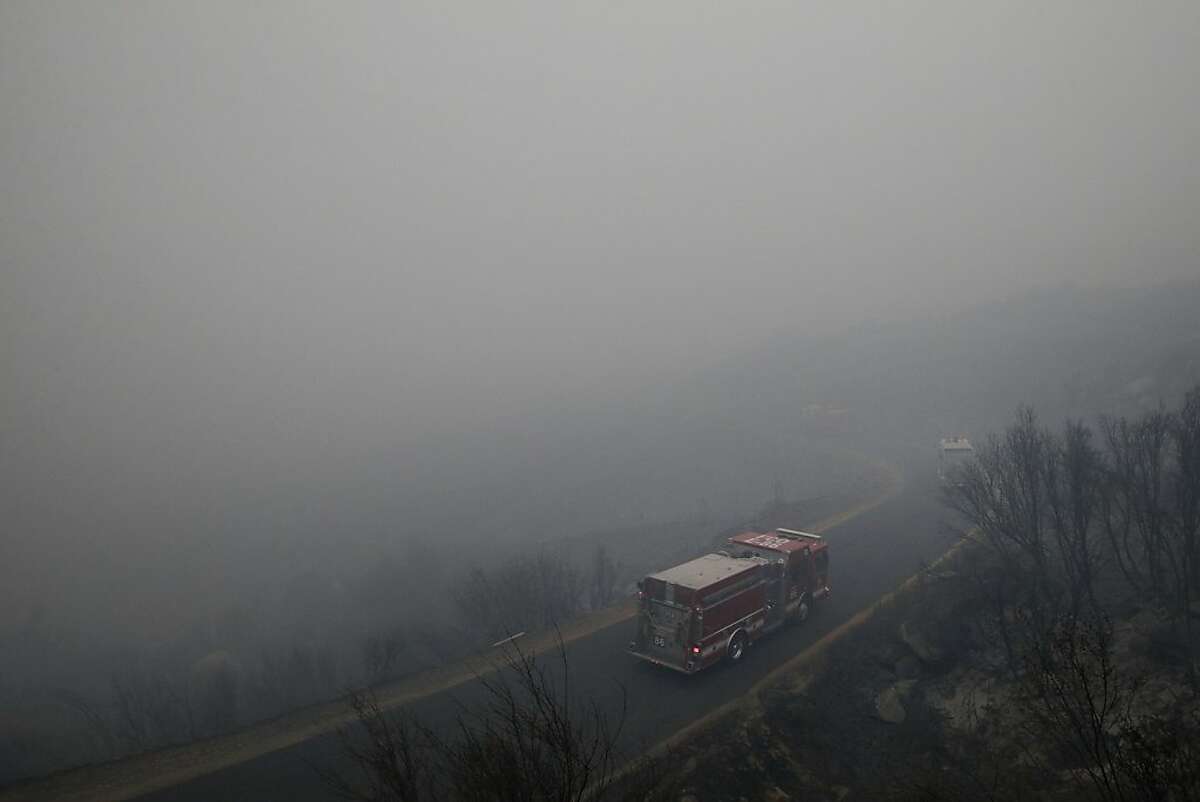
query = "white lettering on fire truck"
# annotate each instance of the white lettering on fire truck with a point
(769, 541)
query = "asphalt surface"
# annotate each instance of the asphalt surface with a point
(870, 555)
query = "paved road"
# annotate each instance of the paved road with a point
(872, 554)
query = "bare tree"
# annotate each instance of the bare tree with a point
(1185, 522)
(526, 593)
(1151, 512)
(605, 574)
(1003, 491)
(532, 740)
(1134, 513)
(1006, 494)
(1162, 757)
(1074, 700)
(1052, 513)
(149, 710)
(394, 757)
(1073, 723)
(382, 653)
(1074, 489)
(99, 727)
(1043, 503)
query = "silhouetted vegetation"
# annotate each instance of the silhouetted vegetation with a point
(1074, 534)
(1058, 515)
(528, 592)
(531, 739)
(605, 578)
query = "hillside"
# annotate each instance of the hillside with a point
(1052, 654)
(1067, 351)
(909, 705)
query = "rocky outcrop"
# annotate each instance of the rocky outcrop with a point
(908, 667)
(921, 643)
(890, 702)
(963, 696)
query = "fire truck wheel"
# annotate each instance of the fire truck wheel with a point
(737, 647)
(803, 610)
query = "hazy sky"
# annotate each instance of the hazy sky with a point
(244, 233)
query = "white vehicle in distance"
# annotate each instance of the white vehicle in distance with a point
(953, 452)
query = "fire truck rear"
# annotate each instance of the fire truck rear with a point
(692, 615)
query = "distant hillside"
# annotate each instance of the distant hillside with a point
(1068, 351)
(722, 439)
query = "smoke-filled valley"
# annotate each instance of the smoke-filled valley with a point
(339, 343)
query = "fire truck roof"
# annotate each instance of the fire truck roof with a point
(785, 540)
(703, 571)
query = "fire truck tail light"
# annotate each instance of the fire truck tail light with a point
(695, 650)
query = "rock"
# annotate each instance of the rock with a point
(890, 702)
(885, 653)
(919, 642)
(1168, 698)
(776, 794)
(908, 667)
(962, 697)
(890, 707)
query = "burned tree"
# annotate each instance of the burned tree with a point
(1074, 483)
(1067, 529)
(1151, 512)
(526, 593)
(1005, 494)
(531, 739)
(604, 578)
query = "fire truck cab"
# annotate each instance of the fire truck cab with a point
(800, 574)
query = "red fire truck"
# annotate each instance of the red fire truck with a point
(714, 606)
